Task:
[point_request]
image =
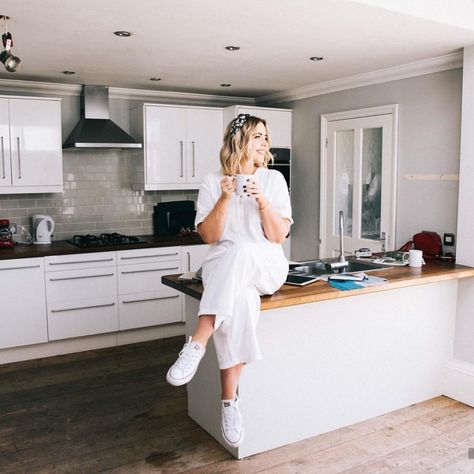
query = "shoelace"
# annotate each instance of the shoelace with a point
(187, 356)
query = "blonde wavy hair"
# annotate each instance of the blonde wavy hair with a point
(236, 146)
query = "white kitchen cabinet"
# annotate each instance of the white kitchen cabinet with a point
(278, 121)
(143, 299)
(181, 145)
(23, 314)
(30, 142)
(81, 293)
(192, 257)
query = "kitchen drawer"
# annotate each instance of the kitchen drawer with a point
(162, 254)
(81, 284)
(77, 318)
(144, 277)
(150, 309)
(79, 261)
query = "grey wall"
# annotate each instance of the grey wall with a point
(429, 137)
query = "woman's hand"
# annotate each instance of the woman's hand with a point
(252, 189)
(227, 186)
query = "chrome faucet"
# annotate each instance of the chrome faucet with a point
(342, 259)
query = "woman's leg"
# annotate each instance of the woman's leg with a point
(204, 329)
(230, 381)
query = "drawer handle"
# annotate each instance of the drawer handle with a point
(83, 307)
(150, 299)
(81, 277)
(20, 268)
(82, 261)
(150, 256)
(150, 270)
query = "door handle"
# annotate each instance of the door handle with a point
(194, 159)
(189, 261)
(3, 159)
(182, 164)
(19, 157)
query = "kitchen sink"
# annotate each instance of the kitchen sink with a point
(323, 267)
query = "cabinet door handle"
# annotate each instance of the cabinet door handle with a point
(82, 277)
(150, 299)
(149, 270)
(189, 261)
(82, 307)
(3, 159)
(194, 159)
(82, 261)
(19, 157)
(182, 157)
(20, 268)
(150, 256)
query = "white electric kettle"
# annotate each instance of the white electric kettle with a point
(43, 228)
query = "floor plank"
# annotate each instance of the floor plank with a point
(111, 410)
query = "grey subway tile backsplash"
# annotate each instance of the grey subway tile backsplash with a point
(97, 197)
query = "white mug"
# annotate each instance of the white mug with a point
(415, 258)
(242, 180)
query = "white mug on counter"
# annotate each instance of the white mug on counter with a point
(415, 258)
(242, 180)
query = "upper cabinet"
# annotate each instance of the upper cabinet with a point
(278, 121)
(30, 145)
(181, 145)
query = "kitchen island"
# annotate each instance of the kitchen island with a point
(333, 358)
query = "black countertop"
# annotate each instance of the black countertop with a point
(62, 247)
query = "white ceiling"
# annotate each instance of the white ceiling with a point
(182, 41)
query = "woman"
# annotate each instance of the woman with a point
(245, 260)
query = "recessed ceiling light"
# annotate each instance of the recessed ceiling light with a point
(122, 34)
(226, 85)
(316, 58)
(232, 48)
(68, 73)
(155, 79)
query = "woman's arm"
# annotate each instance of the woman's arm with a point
(212, 227)
(275, 227)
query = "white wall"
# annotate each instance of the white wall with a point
(464, 337)
(429, 129)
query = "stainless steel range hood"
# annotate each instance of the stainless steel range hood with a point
(95, 129)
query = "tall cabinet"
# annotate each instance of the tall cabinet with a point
(30, 145)
(181, 145)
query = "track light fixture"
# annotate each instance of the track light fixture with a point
(10, 61)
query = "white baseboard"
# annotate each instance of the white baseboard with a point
(459, 381)
(87, 343)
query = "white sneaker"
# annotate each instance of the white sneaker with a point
(183, 370)
(232, 429)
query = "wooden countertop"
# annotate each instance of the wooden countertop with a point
(62, 247)
(398, 277)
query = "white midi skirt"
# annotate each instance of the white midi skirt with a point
(233, 283)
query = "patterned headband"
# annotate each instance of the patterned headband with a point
(237, 123)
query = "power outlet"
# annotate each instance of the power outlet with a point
(448, 240)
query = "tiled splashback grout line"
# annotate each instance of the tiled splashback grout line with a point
(97, 197)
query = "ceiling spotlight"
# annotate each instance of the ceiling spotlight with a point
(316, 58)
(10, 61)
(68, 73)
(226, 85)
(122, 34)
(232, 48)
(156, 79)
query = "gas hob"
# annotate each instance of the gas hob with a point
(104, 240)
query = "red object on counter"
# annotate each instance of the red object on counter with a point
(6, 239)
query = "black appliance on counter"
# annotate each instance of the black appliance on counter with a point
(282, 163)
(104, 240)
(170, 217)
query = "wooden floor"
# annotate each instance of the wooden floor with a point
(112, 411)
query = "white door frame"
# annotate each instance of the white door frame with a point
(350, 114)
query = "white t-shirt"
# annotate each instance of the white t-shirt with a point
(243, 223)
